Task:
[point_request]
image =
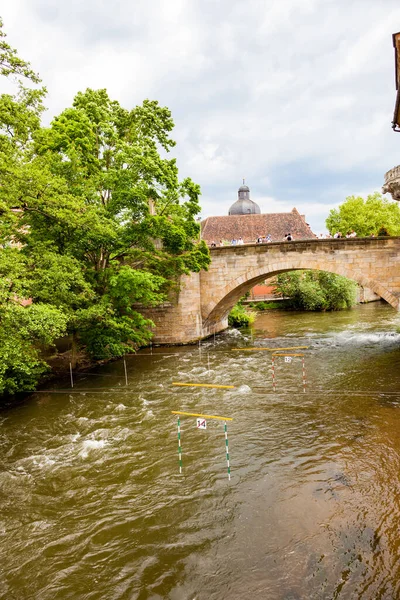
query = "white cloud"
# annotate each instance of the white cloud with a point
(295, 95)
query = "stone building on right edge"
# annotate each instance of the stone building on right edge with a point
(392, 177)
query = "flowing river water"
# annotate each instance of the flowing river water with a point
(92, 505)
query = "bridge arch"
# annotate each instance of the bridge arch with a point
(204, 300)
(221, 302)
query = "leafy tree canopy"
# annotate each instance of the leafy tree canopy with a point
(317, 290)
(11, 63)
(94, 222)
(370, 216)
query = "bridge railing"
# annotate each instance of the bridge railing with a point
(302, 240)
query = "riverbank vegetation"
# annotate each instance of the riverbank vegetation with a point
(240, 316)
(317, 290)
(94, 220)
(262, 305)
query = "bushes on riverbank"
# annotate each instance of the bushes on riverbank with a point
(241, 316)
(317, 290)
(280, 304)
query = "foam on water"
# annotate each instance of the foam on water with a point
(235, 333)
(40, 461)
(244, 389)
(89, 445)
(363, 339)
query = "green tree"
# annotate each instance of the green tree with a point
(101, 193)
(317, 290)
(94, 222)
(367, 216)
(24, 330)
(94, 190)
(11, 63)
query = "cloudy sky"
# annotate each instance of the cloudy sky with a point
(295, 95)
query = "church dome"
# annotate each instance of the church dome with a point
(243, 205)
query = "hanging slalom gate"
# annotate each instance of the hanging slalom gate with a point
(288, 359)
(204, 385)
(201, 423)
(265, 349)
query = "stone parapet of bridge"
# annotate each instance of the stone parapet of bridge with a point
(205, 299)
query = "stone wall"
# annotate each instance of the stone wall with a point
(179, 321)
(371, 262)
(205, 299)
(365, 295)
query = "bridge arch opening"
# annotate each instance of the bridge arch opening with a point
(219, 308)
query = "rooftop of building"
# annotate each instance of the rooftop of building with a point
(246, 221)
(277, 225)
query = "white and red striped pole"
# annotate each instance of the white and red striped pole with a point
(304, 375)
(273, 374)
(227, 451)
(179, 446)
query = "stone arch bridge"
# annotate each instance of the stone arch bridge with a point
(203, 303)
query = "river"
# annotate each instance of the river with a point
(92, 505)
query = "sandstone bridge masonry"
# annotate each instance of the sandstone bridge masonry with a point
(203, 303)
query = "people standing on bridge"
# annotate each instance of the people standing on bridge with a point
(234, 242)
(288, 237)
(213, 244)
(240, 242)
(259, 240)
(268, 238)
(338, 235)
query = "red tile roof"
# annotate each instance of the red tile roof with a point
(250, 227)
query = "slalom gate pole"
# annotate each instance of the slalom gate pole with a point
(304, 374)
(227, 450)
(208, 360)
(273, 374)
(179, 445)
(70, 372)
(126, 372)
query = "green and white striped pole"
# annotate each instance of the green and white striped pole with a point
(227, 450)
(179, 446)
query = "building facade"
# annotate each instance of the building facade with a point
(392, 178)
